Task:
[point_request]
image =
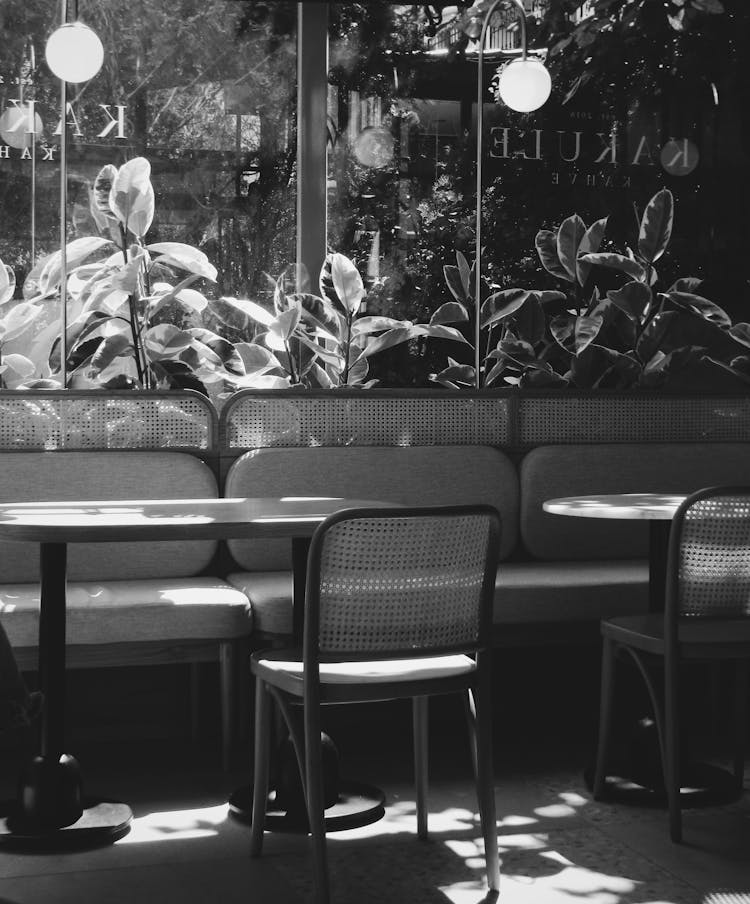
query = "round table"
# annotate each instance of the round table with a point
(656, 508)
(704, 784)
(51, 810)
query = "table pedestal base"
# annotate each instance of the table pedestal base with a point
(702, 785)
(101, 822)
(357, 805)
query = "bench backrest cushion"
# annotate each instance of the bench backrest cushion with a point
(407, 475)
(63, 476)
(553, 471)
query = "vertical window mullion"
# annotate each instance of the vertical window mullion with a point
(312, 97)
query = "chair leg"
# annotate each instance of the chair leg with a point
(313, 784)
(672, 749)
(420, 717)
(261, 765)
(606, 700)
(486, 776)
(195, 696)
(227, 666)
(740, 720)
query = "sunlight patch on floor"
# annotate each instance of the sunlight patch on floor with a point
(176, 825)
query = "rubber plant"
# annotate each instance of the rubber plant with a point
(634, 336)
(116, 286)
(326, 339)
(17, 320)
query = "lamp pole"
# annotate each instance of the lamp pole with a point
(63, 216)
(480, 128)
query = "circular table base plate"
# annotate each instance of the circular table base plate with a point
(358, 805)
(702, 785)
(102, 822)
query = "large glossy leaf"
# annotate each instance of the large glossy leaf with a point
(569, 237)
(741, 332)
(656, 226)
(455, 375)
(7, 283)
(701, 306)
(530, 321)
(341, 283)
(591, 369)
(589, 244)
(653, 335)
(109, 349)
(254, 312)
(575, 333)
(455, 282)
(75, 252)
(450, 312)
(367, 325)
(501, 305)
(285, 323)
(689, 284)
(540, 377)
(256, 359)
(546, 247)
(633, 298)
(616, 262)
(318, 314)
(166, 341)
(465, 271)
(183, 256)
(15, 369)
(18, 320)
(392, 337)
(225, 351)
(131, 198)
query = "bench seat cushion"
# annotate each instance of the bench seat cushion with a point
(525, 593)
(528, 592)
(270, 596)
(137, 610)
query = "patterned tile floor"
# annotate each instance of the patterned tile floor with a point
(557, 845)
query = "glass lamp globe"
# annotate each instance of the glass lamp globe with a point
(74, 52)
(524, 85)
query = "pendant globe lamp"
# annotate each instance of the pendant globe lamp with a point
(524, 86)
(74, 53)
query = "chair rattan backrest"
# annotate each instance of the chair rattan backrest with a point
(711, 543)
(398, 581)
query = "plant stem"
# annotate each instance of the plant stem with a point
(134, 332)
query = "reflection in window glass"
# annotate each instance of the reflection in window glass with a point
(647, 99)
(204, 90)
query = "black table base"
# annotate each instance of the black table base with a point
(357, 805)
(701, 785)
(101, 822)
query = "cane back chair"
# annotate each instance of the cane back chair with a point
(398, 605)
(706, 617)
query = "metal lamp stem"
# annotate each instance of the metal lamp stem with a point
(480, 129)
(63, 217)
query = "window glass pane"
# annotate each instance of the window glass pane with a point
(203, 89)
(648, 101)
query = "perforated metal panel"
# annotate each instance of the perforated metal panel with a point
(256, 420)
(630, 418)
(67, 419)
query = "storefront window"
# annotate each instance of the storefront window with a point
(205, 91)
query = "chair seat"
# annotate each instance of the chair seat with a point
(283, 668)
(136, 610)
(697, 636)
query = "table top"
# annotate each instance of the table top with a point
(170, 519)
(630, 506)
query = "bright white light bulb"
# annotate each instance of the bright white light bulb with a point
(524, 85)
(74, 52)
